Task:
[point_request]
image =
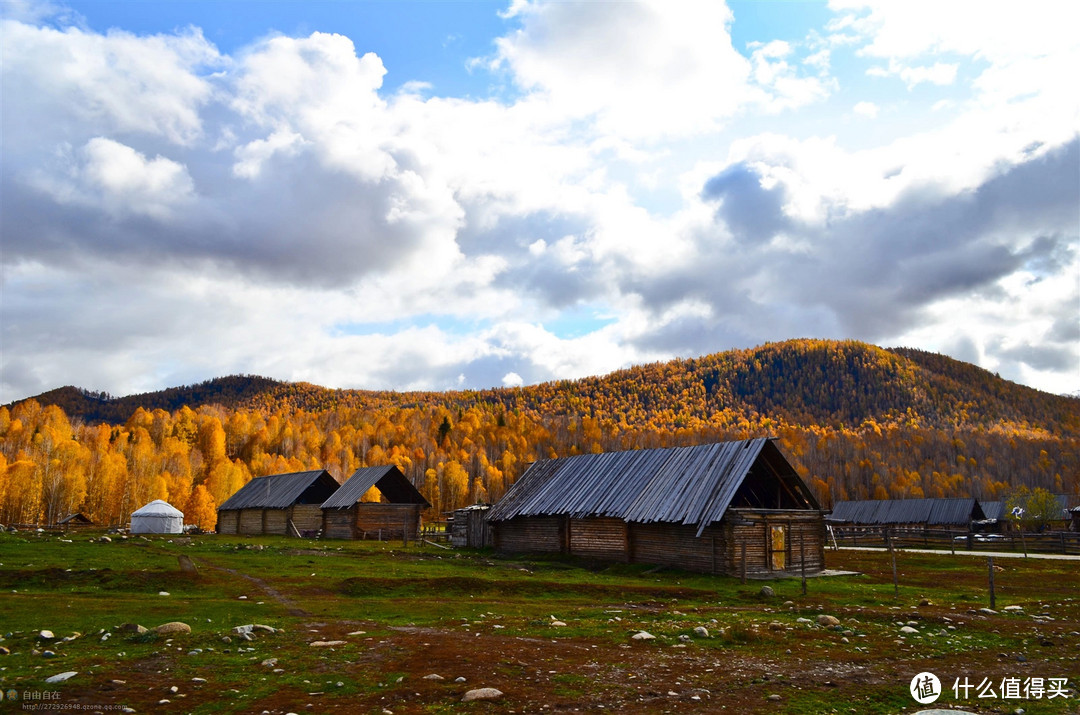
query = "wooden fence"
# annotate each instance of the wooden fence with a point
(1056, 542)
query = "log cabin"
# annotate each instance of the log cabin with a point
(396, 515)
(725, 508)
(287, 504)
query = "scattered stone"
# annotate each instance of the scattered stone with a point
(226, 639)
(163, 593)
(172, 627)
(767, 592)
(1013, 608)
(789, 604)
(459, 679)
(776, 626)
(187, 565)
(48, 654)
(61, 677)
(701, 632)
(46, 635)
(925, 602)
(131, 628)
(174, 690)
(988, 611)
(199, 681)
(803, 620)
(269, 662)
(643, 636)
(434, 676)
(684, 638)
(105, 540)
(482, 694)
(358, 633)
(322, 644)
(558, 623)
(4, 651)
(824, 620)
(908, 629)
(774, 698)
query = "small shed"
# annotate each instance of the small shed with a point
(285, 504)
(469, 527)
(75, 520)
(157, 517)
(395, 516)
(714, 508)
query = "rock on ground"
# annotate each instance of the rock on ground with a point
(172, 627)
(61, 677)
(643, 636)
(824, 620)
(482, 694)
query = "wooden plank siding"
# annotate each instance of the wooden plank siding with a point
(251, 521)
(535, 534)
(599, 538)
(307, 517)
(228, 522)
(369, 520)
(718, 550)
(275, 521)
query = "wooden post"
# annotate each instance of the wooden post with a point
(802, 561)
(1023, 541)
(743, 557)
(990, 568)
(892, 553)
(1062, 535)
(952, 542)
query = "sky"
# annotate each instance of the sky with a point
(448, 195)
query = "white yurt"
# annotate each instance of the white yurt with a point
(157, 517)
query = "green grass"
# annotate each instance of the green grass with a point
(403, 597)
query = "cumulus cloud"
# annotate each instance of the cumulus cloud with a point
(279, 205)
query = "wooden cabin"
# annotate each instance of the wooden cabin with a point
(395, 516)
(908, 514)
(287, 504)
(710, 508)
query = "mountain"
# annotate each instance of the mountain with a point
(803, 382)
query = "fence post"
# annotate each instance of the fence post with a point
(802, 561)
(990, 568)
(1062, 535)
(892, 554)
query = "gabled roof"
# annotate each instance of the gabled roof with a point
(158, 507)
(279, 491)
(388, 479)
(76, 518)
(993, 510)
(686, 485)
(907, 511)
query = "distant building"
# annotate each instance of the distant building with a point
(75, 520)
(396, 515)
(907, 513)
(696, 508)
(286, 504)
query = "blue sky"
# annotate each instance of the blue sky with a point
(433, 195)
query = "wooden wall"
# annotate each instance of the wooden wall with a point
(599, 538)
(307, 517)
(367, 520)
(525, 534)
(718, 550)
(251, 521)
(469, 528)
(228, 522)
(276, 521)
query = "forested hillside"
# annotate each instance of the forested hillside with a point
(857, 421)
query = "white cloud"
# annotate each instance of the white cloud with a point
(512, 379)
(866, 109)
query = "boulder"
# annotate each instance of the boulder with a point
(825, 620)
(46, 635)
(643, 636)
(172, 627)
(323, 644)
(61, 677)
(767, 592)
(482, 694)
(701, 632)
(131, 628)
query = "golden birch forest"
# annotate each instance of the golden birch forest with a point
(857, 421)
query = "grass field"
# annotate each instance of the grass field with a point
(406, 613)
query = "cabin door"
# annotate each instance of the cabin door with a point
(778, 542)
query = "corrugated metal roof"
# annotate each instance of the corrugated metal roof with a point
(687, 485)
(993, 509)
(388, 479)
(277, 491)
(907, 511)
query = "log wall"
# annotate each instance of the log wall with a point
(307, 517)
(338, 524)
(599, 538)
(529, 534)
(676, 545)
(251, 521)
(276, 521)
(805, 527)
(228, 522)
